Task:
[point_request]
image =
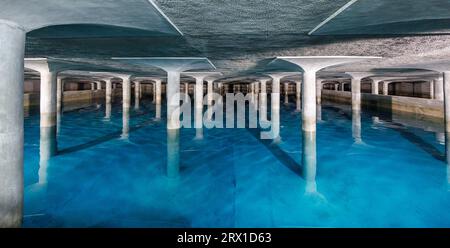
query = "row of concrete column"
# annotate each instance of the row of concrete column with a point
(436, 87)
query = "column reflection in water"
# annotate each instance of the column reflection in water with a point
(356, 126)
(319, 112)
(275, 117)
(309, 161)
(58, 122)
(158, 112)
(286, 93)
(125, 123)
(173, 153)
(108, 108)
(47, 149)
(136, 102)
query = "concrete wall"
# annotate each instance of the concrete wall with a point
(421, 106)
(32, 99)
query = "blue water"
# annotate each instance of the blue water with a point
(395, 177)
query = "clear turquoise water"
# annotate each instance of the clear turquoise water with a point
(396, 178)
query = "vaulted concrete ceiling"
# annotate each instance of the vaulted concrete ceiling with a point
(239, 36)
(134, 16)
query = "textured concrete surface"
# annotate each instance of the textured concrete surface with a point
(126, 14)
(390, 17)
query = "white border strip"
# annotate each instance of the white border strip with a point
(166, 17)
(333, 16)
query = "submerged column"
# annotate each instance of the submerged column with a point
(173, 123)
(99, 85)
(356, 105)
(108, 98)
(173, 153)
(286, 93)
(12, 46)
(137, 93)
(126, 104)
(319, 91)
(446, 90)
(263, 102)
(198, 111)
(342, 86)
(59, 95)
(158, 98)
(92, 86)
(275, 108)
(298, 92)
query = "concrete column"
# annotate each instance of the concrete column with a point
(92, 86)
(137, 93)
(173, 100)
(153, 92)
(263, 102)
(356, 94)
(431, 83)
(438, 89)
(186, 89)
(158, 91)
(126, 104)
(220, 86)
(198, 110)
(319, 87)
(99, 85)
(309, 101)
(298, 92)
(210, 92)
(108, 98)
(48, 99)
(108, 93)
(356, 107)
(385, 88)
(275, 109)
(342, 86)
(126, 93)
(12, 46)
(286, 93)
(336, 87)
(375, 87)
(446, 86)
(309, 160)
(157, 96)
(59, 95)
